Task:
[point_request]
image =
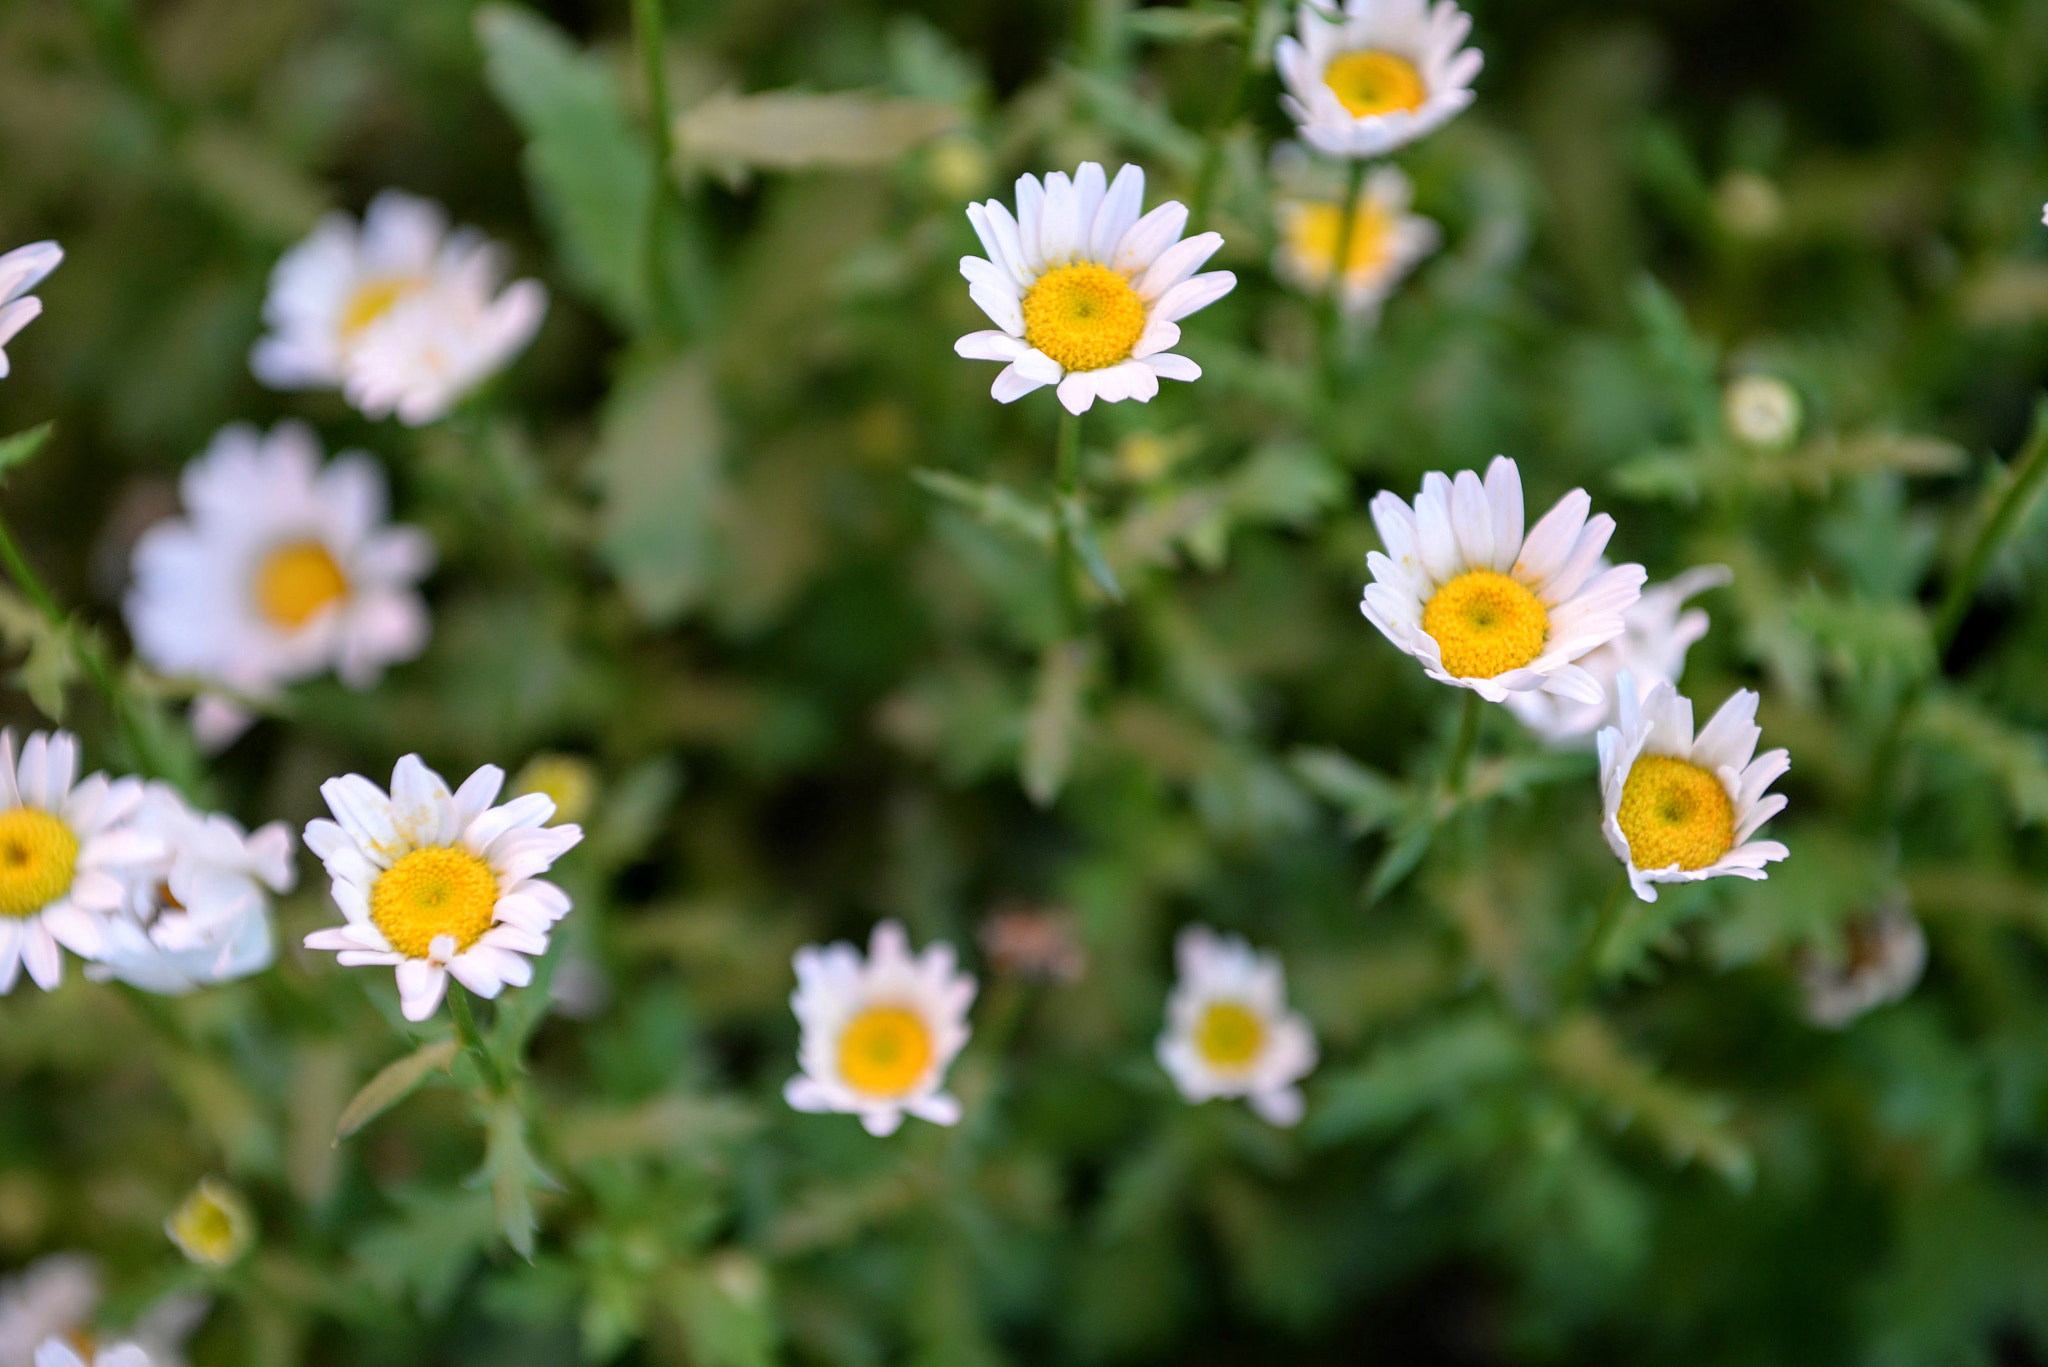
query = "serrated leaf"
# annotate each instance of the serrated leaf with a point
(992, 503)
(425, 1252)
(1369, 798)
(393, 1084)
(787, 130)
(1403, 1078)
(2018, 758)
(1081, 533)
(1053, 724)
(1689, 1126)
(659, 470)
(1409, 842)
(51, 664)
(513, 1174)
(1685, 362)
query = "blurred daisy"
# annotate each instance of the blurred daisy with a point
(1377, 75)
(1386, 242)
(64, 1353)
(879, 1033)
(435, 883)
(282, 568)
(1483, 608)
(1657, 631)
(21, 270)
(1228, 1030)
(570, 780)
(1762, 411)
(52, 1296)
(213, 1226)
(1680, 809)
(400, 314)
(1886, 952)
(1084, 293)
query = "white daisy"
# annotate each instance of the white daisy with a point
(1762, 411)
(21, 270)
(436, 883)
(53, 1295)
(62, 1353)
(879, 1033)
(1658, 630)
(282, 568)
(400, 314)
(1679, 809)
(1377, 76)
(1886, 952)
(1483, 608)
(1228, 1030)
(1084, 293)
(1386, 242)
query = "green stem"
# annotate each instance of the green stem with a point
(649, 33)
(1067, 485)
(472, 1039)
(1586, 971)
(2028, 468)
(1226, 116)
(1461, 752)
(1333, 330)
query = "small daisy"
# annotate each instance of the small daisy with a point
(213, 1226)
(283, 567)
(21, 270)
(1377, 76)
(400, 314)
(879, 1033)
(570, 780)
(1483, 608)
(1084, 293)
(1886, 954)
(1762, 411)
(1679, 809)
(436, 883)
(1228, 1030)
(1386, 242)
(63, 1353)
(1658, 630)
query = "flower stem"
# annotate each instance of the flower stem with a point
(1067, 483)
(649, 33)
(473, 1040)
(1461, 752)
(1226, 116)
(1586, 970)
(2028, 468)
(1333, 331)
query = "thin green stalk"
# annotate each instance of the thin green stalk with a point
(1067, 484)
(1226, 117)
(1586, 970)
(650, 34)
(2028, 469)
(473, 1040)
(1333, 332)
(1461, 752)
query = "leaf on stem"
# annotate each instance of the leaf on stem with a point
(1436, 1066)
(1166, 25)
(1369, 798)
(393, 1084)
(513, 1174)
(51, 664)
(17, 449)
(1690, 1127)
(1081, 532)
(660, 473)
(785, 130)
(992, 503)
(1053, 724)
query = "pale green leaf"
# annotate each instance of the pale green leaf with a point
(393, 1084)
(659, 470)
(1052, 726)
(787, 130)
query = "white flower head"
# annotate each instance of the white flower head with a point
(1885, 954)
(21, 270)
(1483, 607)
(1228, 1030)
(53, 1295)
(435, 883)
(400, 314)
(1376, 76)
(1385, 244)
(1658, 629)
(1762, 411)
(1678, 809)
(1084, 293)
(61, 1353)
(879, 1033)
(282, 567)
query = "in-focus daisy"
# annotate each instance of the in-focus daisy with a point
(213, 1226)
(282, 567)
(400, 314)
(1386, 242)
(21, 270)
(1462, 590)
(437, 883)
(1677, 808)
(1376, 76)
(1885, 953)
(880, 1032)
(1084, 293)
(1658, 630)
(1228, 1030)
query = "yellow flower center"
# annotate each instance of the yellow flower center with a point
(1674, 812)
(440, 890)
(1085, 316)
(212, 1226)
(295, 581)
(1373, 82)
(1229, 1036)
(373, 299)
(1313, 236)
(1485, 624)
(38, 855)
(884, 1051)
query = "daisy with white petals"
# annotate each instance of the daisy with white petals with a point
(21, 270)
(880, 1032)
(435, 883)
(1884, 952)
(1481, 606)
(1228, 1030)
(282, 568)
(1085, 294)
(1385, 244)
(1377, 75)
(1677, 809)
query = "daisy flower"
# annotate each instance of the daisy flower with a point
(53, 1295)
(1887, 952)
(1376, 76)
(1483, 608)
(879, 1033)
(283, 567)
(213, 1226)
(1386, 242)
(400, 314)
(1084, 293)
(1228, 1030)
(1679, 809)
(63, 1353)
(435, 883)
(1762, 411)
(21, 270)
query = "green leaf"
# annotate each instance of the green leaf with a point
(1410, 841)
(1369, 798)
(426, 1251)
(1164, 25)
(1435, 1067)
(659, 470)
(992, 503)
(513, 1174)
(1081, 532)
(1690, 1127)
(17, 449)
(1685, 362)
(1053, 724)
(52, 662)
(784, 130)
(393, 1084)
(633, 811)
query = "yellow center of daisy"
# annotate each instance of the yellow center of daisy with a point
(208, 1229)
(38, 855)
(1485, 624)
(884, 1051)
(1374, 82)
(1085, 316)
(373, 299)
(1674, 812)
(295, 581)
(440, 890)
(1229, 1036)
(1313, 236)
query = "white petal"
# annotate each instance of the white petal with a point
(420, 987)
(1504, 493)
(1013, 384)
(1168, 366)
(1144, 240)
(1190, 295)
(1077, 391)
(1119, 210)
(990, 345)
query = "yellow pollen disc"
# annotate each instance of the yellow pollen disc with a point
(1674, 812)
(373, 299)
(1373, 82)
(1313, 236)
(1485, 624)
(884, 1051)
(1229, 1037)
(1085, 316)
(295, 581)
(440, 890)
(38, 855)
